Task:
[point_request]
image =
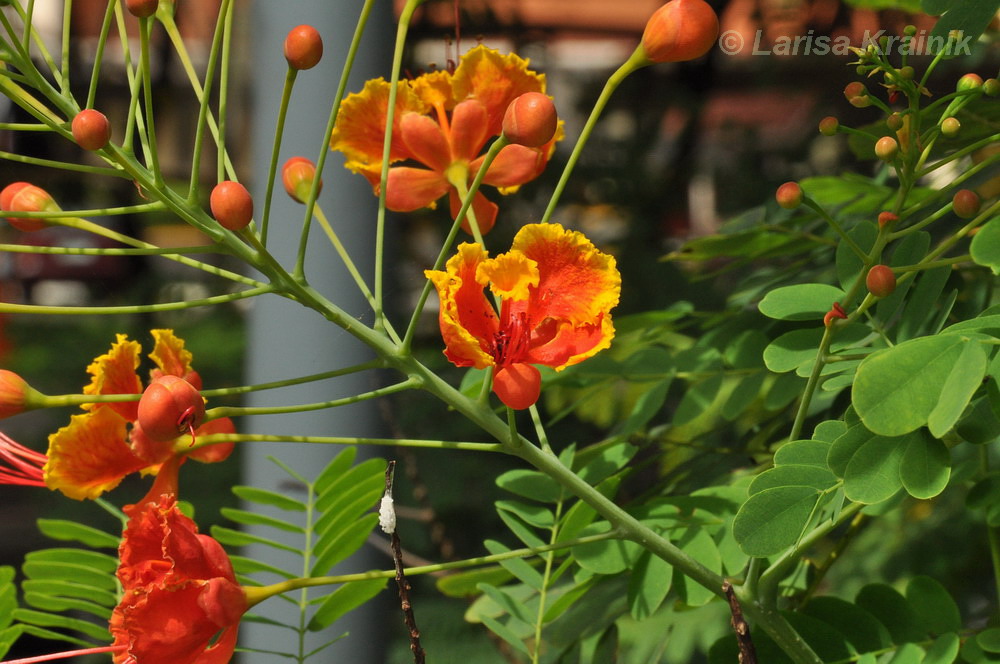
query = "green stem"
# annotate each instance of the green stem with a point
(245, 389)
(205, 101)
(102, 41)
(212, 439)
(9, 308)
(636, 61)
(279, 132)
(345, 256)
(231, 411)
(147, 91)
(259, 593)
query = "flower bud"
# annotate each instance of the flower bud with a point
(231, 205)
(303, 47)
(991, 86)
(26, 197)
(886, 148)
(530, 120)
(680, 30)
(886, 218)
(789, 195)
(828, 126)
(16, 396)
(169, 407)
(965, 203)
(950, 126)
(881, 281)
(141, 8)
(857, 94)
(894, 122)
(969, 82)
(91, 129)
(297, 175)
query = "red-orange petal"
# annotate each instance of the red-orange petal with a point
(576, 282)
(90, 456)
(211, 453)
(484, 209)
(468, 321)
(115, 373)
(561, 344)
(518, 385)
(410, 189)
(425, 141)
(468, 130)
(514, 166)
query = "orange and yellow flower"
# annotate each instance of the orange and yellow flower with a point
(181, 603)
(442, 122)
(98, 448)
(556, 291)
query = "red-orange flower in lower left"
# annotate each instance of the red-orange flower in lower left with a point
(557, 292)
(181, 603)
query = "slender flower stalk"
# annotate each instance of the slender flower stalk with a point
(20, 465)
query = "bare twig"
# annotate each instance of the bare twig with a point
(387, 519)
(747, 653)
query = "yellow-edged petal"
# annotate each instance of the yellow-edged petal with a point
(434, 89)
(360, 129)
(169, 353)
(510, 275)
(115, 373)
(576, 282)
(89, 456)
(468, 321)
(495, 80)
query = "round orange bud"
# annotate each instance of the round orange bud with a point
(886, 218)
(680, 30)
(965, 203)
(881, 281)
(297, 175)
(828, 126)
(886, 148)
(169, 407)
(857, 94)
(789, 195)
(91, 129)
(894, 122)
(518, 385)
(26, 197)
(231, 205)
(991, 86)
(141, 8)
(530, 120)
(303, 47)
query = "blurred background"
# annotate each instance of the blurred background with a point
(680, 149)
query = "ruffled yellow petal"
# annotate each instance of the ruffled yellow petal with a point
(576, 282)
(360, 129)
(89, 456)
(435, 89)
(510, 275)
(169, 353)
(495, 80)
(468, 322)
(115, 373)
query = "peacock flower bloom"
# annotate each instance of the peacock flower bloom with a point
(556, 291)
(442, 123)
(20, 465)
(98, 448)
(179, 591)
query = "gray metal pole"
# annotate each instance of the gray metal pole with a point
(287, 340)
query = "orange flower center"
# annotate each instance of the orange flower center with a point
(511, 341)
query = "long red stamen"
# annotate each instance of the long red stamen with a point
(66, 654)
(20, 465)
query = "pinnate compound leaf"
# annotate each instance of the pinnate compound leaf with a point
(236, 538)
(648, 585)
(272, 498)
(343, 600)
(506, 634)
(248, 518)
(61, 529)
(872, 475)
(464, 584)
(331, 551)
(969, 19)
(936, 610)
(944, 650)
(510, 604)
(609, 556)
(800, 302)
(900, 389)
(771, 521)
(985, 247)
(43, 619)
(697, 543)
(518, 567)
(893, 611)
(530, 484)
(803, 453)
(925, 468)
(818, 478)
(861, 629)
(337, 491)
